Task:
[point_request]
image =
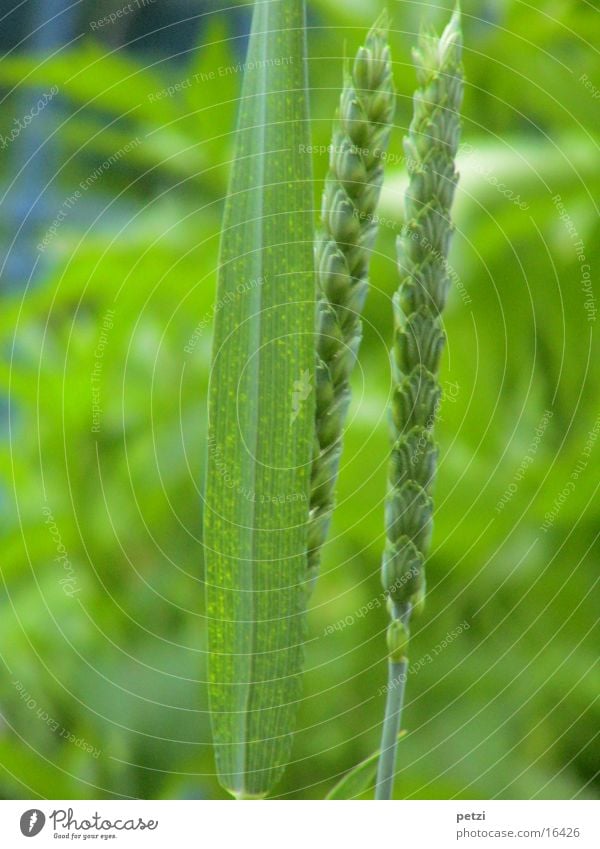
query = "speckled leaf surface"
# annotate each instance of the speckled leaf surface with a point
(261, 410)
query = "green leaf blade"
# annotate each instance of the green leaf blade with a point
(260, 422)
(359, 778)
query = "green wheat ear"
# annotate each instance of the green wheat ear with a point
(430, 149)
(344, 244)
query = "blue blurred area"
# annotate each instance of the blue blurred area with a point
(149, 28)
(32, 162)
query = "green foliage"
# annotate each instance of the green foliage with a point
(261, 414)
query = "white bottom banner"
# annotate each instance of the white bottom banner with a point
(296, 825)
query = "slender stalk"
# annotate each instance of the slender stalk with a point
(397, 637)
(419, 338)
(343, 250)
(391, 728)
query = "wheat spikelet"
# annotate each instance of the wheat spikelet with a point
(348, 230)
(430, 148)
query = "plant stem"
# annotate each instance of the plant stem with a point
(397, 639)
(386, 769)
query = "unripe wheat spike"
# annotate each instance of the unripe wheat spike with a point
(344, 244)
(430, 148)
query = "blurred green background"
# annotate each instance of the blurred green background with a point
(103, 412)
